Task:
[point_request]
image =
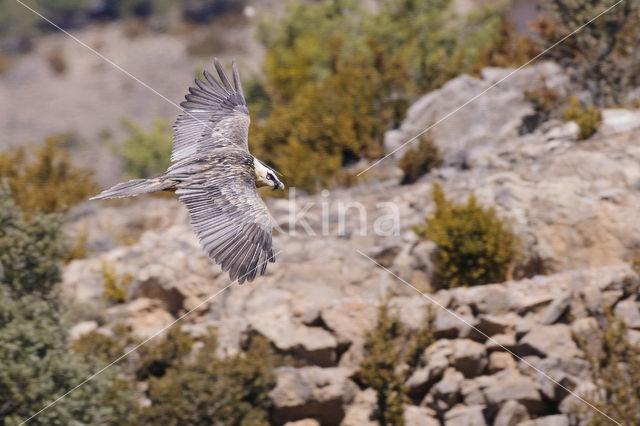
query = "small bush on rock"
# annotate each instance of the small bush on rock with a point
(419, 161)
(392, 354)
(115, 286)
(615, 370)
(474, 245)
(587, 119)
(378, 369)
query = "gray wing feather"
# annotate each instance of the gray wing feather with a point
(227, 214)
(215, 115)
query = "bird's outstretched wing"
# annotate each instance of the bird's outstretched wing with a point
(215, 114)
(227, 214)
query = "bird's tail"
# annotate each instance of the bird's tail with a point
(136, 187)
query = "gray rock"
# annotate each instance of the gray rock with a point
(492, 325)
(462, 415)
(446, 393)
(555, 310)
(555, 420)
(419, 416)
(499, 361)
(471, 391)
(549, 340)
(586, 331)
(313, 344)
(523, 326)
(360, 412)
(500, 342)
(312, 392)
(618, 120)
(628, 312)
(469, 357)
(512, 385)
(511, 414)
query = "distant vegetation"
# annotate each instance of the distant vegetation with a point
(602, 59)
(43, 179)
(338, 77)
(474, 245)
(143, 153)
(587, 119)
(18, 25)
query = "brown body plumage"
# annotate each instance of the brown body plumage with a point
(215, 176)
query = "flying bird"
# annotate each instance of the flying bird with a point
(216, 177)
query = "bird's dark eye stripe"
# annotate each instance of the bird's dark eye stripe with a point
(269, 176)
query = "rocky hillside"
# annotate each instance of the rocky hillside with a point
(571, 203)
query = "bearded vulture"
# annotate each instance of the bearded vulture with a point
(216, 177)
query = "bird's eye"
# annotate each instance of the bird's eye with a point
(269, 176)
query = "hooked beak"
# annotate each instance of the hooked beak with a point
(278, 185)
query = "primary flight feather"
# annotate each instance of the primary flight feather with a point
(216, 177)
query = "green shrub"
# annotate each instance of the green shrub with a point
(44, 179)
(474, 245)
(602, 57)
(378, 369)
(419, 161)
(145, 154)
(587, 119)
(36, 367)
(156, 357)
(30, 250)
(207, 390)
(97, 345)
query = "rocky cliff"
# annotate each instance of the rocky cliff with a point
(572, 204)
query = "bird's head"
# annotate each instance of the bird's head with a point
(266, 177)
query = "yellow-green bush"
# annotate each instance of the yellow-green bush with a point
(387, 347)
(145, 154)
(419, 161)
(587, 119)
(114, 285)
(378, 369)
(474, 245)
(43, 179)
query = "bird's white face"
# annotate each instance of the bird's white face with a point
(266, 176)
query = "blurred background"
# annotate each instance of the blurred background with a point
(516, 212)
